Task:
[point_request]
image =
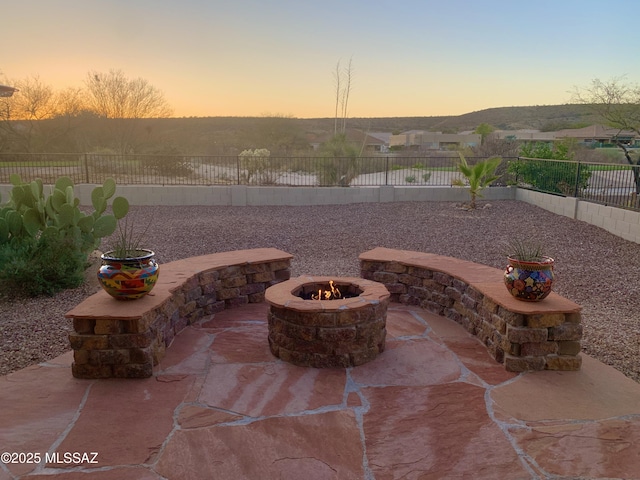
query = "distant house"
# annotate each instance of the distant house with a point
(599, 134)
(591, 135)
(525, 135)
(6, 91)
(367, 142)
(422, 140)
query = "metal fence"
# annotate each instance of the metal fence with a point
(605, 183)
(237, 170)
(615, 185)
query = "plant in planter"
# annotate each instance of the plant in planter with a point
(128, 271)
(529, 275)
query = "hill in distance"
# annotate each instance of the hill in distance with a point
(229, 135)
(554, 117)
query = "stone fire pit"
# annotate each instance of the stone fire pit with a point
(327, 333)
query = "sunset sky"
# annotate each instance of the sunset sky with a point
(257, 57)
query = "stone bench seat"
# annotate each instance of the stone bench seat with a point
(115, 338)
(523, 336)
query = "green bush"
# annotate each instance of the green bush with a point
(549, 168)
(340, 163)
(553, 176)
(42, 266)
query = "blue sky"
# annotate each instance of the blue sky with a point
(251, 57)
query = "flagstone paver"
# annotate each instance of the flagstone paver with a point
(433, 405)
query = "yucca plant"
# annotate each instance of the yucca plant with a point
(525, 250)
(479, 176)
(127, 242)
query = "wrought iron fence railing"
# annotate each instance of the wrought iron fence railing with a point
(615, 185)
(237, 170)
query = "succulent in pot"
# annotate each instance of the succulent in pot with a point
(128, 271)
(529, 275)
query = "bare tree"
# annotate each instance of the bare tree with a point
(26, 118)
(123, 102)
(618, 104)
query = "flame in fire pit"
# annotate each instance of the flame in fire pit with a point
(333, 293)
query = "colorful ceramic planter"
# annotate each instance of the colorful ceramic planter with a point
(128, 278)
(529, 281)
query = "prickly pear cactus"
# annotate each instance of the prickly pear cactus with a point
(31, 213)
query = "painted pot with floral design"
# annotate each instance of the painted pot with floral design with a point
(131, 277)
(530, 281)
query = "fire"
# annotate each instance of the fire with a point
(333, 293)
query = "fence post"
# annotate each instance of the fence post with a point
(86, 168)
(577, 181)
(238, 170)
(386, 171)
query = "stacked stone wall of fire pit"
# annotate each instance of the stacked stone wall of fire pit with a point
(127, 338)
(521, 335)
(327, 333)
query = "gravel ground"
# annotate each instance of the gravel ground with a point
(594, 268)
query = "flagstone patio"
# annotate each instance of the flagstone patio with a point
(434, 404)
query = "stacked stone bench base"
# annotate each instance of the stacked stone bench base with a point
(522, 336)
(126, 339)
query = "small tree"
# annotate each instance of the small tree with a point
(618, 104)
(484, 130)
(479, 176)
(38, 118)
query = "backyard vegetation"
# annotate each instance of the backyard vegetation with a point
(46, 238)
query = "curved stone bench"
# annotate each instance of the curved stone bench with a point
(115, 338)
(521, 335)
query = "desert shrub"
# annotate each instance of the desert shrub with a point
(337, 171)
(553, 176)
(549, 168)
(340, 164)
(171, 166)
(42, 266)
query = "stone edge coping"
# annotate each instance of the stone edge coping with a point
(487, 280)
(173, 275)
(281, 295)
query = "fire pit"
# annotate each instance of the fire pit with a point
(327, 322)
